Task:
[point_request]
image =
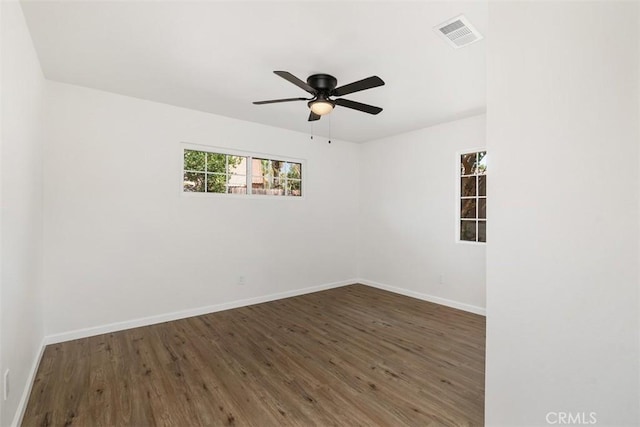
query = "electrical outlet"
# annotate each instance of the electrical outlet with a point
(6, 384)
(241, 281)
(441, 279)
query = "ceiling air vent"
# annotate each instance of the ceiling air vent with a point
(458, 32)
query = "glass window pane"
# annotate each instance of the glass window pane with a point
(468, 186)
(236, 165)
(277, 168)
(216, 183)
(216, 163)
(258, 181)
(473, 192)
(256, 167)
(294, 187)
(294, 170)
(272, 187)
(482, 231)
(222, 173)
(237, 181)
(482, 185)
(194, 160)
(193, 182)
(277, 189)
(263, 167)
(482, 208)
(468, 231)
(468, 208)
(267, 182)
(482, 163)
(275, 177)
(467, 163)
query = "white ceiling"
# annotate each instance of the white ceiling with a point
(218, 57)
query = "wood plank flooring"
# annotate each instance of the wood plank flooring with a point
(349, 356)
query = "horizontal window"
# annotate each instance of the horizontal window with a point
(209, 172)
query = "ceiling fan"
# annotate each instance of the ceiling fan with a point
(323, 87)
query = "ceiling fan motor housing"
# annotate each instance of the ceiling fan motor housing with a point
(322, 82)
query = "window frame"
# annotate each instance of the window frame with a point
(458, 198)
(250, 155)
(286, 178)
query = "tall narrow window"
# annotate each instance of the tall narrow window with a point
(473, 197)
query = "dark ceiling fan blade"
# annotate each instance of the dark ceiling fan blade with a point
(273, 101)
(313, 116)
(296, 81)
(368, 83)
(358, 106)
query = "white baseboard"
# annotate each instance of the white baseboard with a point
(24, 399)
(152, 320)
(167, 317)
(442, 301)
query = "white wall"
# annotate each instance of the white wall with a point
(408, 215)
(562, 263)
(22, 86)
(122, 242)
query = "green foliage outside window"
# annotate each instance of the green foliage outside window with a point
(208, 172)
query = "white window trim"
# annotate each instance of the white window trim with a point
(456, 229)
(231, 152)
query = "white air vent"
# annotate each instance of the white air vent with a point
(458, 32)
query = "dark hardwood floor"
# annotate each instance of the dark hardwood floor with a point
(349, 356)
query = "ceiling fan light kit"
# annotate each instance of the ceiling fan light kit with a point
(321, 107)
(323, 87)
